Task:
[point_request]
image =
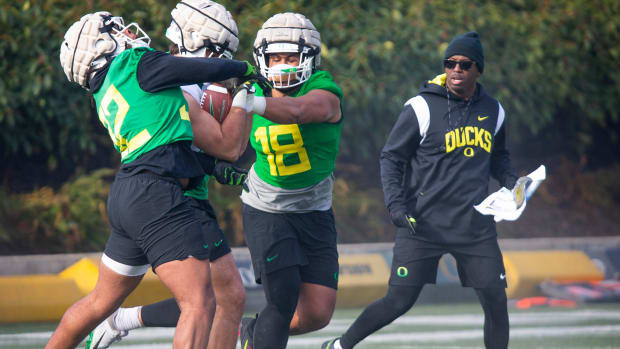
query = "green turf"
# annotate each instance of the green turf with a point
(425, 326)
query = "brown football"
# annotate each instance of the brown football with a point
(216, 100)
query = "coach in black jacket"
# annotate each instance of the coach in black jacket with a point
(436, 165)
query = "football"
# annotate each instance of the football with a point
(216, 100)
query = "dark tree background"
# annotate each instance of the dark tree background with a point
(555, 67)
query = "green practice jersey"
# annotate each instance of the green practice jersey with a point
(139, 121)
(297, 155)
(201, 192)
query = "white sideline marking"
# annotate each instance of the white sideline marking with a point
(337, 326)
(448, 336)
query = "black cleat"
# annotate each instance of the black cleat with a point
(329, 344)
(246, 332)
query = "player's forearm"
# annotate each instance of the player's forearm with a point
(316, 107)
(236, 132)
(225, 142)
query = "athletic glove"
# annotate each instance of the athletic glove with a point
(404, 220)
(250, 71)
(229, 174)
(243, 96)
(254, 76)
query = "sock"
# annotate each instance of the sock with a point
(337, 344)
(127, 319)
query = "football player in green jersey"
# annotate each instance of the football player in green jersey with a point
(287, 216)
(211, 32)
(138, 100)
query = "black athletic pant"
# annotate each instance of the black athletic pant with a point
(400, 299)
(281, 288)
(496, 325)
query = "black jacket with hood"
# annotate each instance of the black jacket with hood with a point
(438, 159)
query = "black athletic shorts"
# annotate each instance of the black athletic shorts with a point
(152, 222)
(480, 264)
(214, 236)
(281, 240)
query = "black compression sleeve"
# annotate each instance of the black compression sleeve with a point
(159, 70)
(207, 162)
(398, 151)
(161, 314)
(282, 293)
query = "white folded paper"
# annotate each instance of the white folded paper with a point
(502, 204)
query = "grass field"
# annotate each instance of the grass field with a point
(427, 326)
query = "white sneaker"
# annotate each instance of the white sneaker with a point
(105, 334)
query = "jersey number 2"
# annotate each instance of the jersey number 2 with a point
(114, 122)
(268, 138)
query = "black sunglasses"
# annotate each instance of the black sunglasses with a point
(450, 64)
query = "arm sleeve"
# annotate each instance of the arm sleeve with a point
(159, 70)
(207, 162)
(397, 153)
(501, 167)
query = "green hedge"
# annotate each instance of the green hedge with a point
(70, 219)
(545, 61)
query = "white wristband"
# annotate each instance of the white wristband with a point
(260, 103)
(239, 99)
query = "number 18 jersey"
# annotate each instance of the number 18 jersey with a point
(295, 156)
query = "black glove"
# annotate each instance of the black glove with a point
(229, 174)
(246, 85)
(404, 220)
(254, 76)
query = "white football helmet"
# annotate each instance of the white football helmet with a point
(288, 33)
(198, 25)
(94, 40)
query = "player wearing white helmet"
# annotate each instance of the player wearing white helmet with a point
(93, 41)
(138, 99)
(200, 28)
(288, 33)
(287, 216)
(201, 25)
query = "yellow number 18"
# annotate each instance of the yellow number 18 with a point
(268, 138)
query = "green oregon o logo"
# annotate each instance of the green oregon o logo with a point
(402, 272)
(336, 276)
(469, 152)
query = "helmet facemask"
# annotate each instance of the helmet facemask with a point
(288, 33)
(284, 76)
(120, 33)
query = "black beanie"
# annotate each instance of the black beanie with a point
(467, 45)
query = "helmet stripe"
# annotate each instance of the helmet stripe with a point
(211, 18)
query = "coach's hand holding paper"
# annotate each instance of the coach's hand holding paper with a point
(506, 204)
